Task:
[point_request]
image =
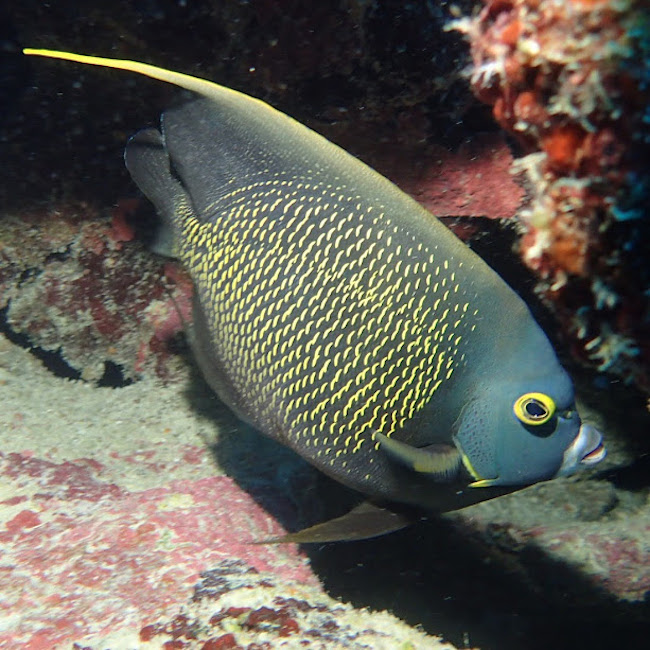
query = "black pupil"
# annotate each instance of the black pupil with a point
(535, 410)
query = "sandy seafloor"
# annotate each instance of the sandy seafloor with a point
(127, 517)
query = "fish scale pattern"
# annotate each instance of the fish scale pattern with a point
(333, 321)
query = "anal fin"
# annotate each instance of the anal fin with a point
(365, 521)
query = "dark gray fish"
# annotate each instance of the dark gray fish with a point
(342, 319)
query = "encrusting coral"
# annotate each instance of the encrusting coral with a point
(570, 81)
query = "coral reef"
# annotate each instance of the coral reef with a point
(234, 606)
(569, 81)
(78, 291)
(126, 515)
(609, 561)
(473, 180)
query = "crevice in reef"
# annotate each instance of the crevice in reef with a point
(59, 256)
(55, 362)
(52, 360)
(113, 376)
(27, 275)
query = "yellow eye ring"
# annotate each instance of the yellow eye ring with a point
(534, 408)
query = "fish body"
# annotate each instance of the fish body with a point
(341, 318)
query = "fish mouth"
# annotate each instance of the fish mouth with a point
(595, 455)
(587, 449)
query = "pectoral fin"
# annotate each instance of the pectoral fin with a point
(363, 522)
(441, 461)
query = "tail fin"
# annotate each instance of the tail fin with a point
(148, 163)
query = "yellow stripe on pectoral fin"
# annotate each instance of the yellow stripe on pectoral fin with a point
(441, 462)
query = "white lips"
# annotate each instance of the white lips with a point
(586, 449)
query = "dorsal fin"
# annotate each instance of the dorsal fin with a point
(283, 136)
(195, 84)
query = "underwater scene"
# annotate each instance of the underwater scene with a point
(324, 324)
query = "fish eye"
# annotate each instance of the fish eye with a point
(534, 408)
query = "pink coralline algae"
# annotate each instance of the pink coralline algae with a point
(82, 556)
(472, 181)
(569, 80)
(87, 564)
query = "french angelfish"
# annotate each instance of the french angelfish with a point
(340, 318)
